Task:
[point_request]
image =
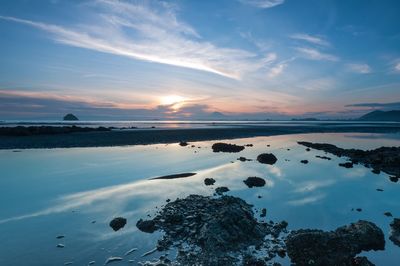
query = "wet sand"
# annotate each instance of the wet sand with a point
(119, 137)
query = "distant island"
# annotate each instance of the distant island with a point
(378, 115)
(70, 117)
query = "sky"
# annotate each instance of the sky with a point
(225, 59)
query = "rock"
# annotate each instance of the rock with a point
(267, 158)
(112, 259)
(263, 212)
(60, 246)
(324, 157)
(183, 143)
(209, 181)
(249, 145)
(394, 179)
(304, 161)
(362, 261)
(221, 190)
(359, 209)
(70, 117)
(213, 231)
(147, 226)
(376, 171)
(225, 147)
(337, 247)
(174, 176)
(308, 149)
(395, 231)
(379, 189)
(118, 223)
(254, 181)
(60, 236)
(243, 159)
(346, 165)
(388, 214)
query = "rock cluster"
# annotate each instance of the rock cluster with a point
(339, 247)
(212, 231)
(395, 231)
(386, 159)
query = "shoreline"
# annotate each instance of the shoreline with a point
(164, 136)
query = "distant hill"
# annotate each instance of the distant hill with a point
(382, 116)
(70, 117)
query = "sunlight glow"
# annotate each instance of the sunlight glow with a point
(171, 99)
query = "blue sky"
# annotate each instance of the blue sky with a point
(258, 59)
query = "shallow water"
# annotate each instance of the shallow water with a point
(45, 193)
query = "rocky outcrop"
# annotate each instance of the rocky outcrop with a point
(395, 231)
(70, 117)
(339, 247)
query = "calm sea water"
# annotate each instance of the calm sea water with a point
(46, 193)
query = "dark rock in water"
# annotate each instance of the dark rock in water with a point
(379, 189)
(70, 117)
(244, 159)
(209, 181)
(386, 159)
(359, 209)
(376, 171)
(252, 261)
(267, 158)
(214, 231)
(394, 179)
(395, 231)
(147, 226)
(304, 161)
(183, 143)
(388, 214)
(346, 165)
(118, 223)
(308, 149)
(221, 190)
(249, 145)
(254, 181)
(263, 212)
(337, 247)
(226, 147)
(324, 157)
(60, 236)
(174, 176)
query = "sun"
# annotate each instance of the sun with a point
(171, 99)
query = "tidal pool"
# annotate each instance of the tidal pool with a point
(76, 192)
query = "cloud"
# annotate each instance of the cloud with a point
(310, 39)
(397, 67)
(262, 3)
(359, 68)
(155, 35)
(314, 54)
(276, 70)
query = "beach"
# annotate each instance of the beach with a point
(154, 135)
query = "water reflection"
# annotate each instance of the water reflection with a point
(62, 191)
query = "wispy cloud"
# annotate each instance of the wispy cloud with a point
(397, 67)
(262, 3)
(310, 39)
(314, 54)
(159, 36)
(359, 68)
(276, 70)
(376, 105)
